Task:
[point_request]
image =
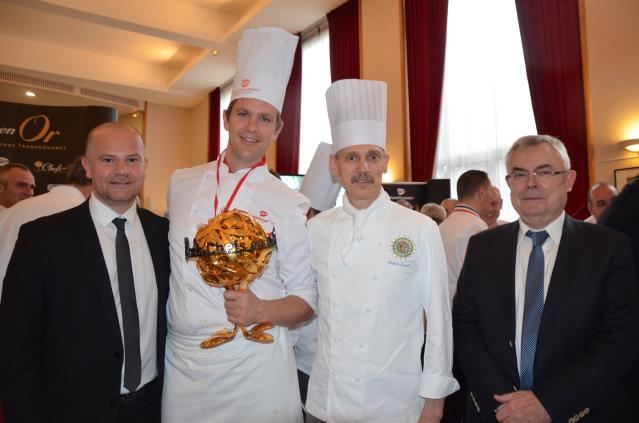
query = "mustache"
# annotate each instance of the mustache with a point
(362, 177)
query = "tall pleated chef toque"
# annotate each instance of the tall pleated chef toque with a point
(357, 113)
(264, 62)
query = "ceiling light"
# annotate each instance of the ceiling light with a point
(30, 94)
(630, 145)
(135, 114)
(215, 52)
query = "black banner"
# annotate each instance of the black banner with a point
(47, 138)
(418, 193)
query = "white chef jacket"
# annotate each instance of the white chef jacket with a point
(60, 198)
(377, 270)
(456, 230)
(241, 380)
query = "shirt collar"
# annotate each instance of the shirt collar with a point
(224, 169)
(554, 228)
(378, 203)
(104, 215)
(465, 208)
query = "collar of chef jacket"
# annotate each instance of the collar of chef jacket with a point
(360, 217)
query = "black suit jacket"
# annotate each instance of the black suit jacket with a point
(623, 215)
(61, 352)
(589, 332)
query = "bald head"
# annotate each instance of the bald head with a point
(110, 130)
(493, 205)
(114, 160)
(449, 205)
(600, 195)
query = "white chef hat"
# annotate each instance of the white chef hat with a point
(319, 186)
(264, 62)
(357, 113)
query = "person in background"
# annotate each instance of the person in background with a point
(600, 196)
(449, 205)
(434, 211)
(379, 266)
(473, 189)
(321, 188)
(61, 197)
(16, 184)
(490, 214)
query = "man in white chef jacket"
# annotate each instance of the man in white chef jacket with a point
(379, 267)
(321, 188)
(241, 380)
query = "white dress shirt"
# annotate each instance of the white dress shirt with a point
(591, 219)
(456, 230)
(524, 247)
(146, 292)
(240, 379)
(60, 198)
(378, 270)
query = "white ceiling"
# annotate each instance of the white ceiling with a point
(145, 50)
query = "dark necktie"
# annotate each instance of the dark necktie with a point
(130, 319)
(533, 308)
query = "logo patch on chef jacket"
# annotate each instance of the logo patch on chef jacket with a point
(403, 247)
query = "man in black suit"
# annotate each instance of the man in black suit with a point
(82, 321)
(546, 318)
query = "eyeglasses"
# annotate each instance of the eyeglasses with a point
(543, 176)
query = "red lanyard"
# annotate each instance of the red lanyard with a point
(237, 187)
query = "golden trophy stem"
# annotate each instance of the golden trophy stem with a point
(256, 334)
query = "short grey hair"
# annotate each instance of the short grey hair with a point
(533, 140)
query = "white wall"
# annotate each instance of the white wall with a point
(612, 37)
(199, 130)
(168, 147)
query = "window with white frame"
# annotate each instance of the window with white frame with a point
(225, 99)
(486, 101)
(316, 78)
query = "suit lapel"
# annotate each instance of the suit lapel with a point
(561, 279)
(86, 233)
(505, 294)
(156, 245)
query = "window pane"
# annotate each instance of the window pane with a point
(225, 99)
(486, 102)
(316, 78)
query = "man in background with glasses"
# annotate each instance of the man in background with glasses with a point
(546, 315)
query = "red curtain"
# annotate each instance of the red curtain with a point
(552, 50)
(343, 35)
(425, 50)
(214, 124)
(288, 143)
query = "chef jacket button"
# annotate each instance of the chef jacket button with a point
(375, 277)
(190, 289)
(361, 345)
(333, 274)
(357, 379)
(335, 340)
(368, 309)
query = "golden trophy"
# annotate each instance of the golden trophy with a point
(232, 250)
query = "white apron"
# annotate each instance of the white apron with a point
(205, 384)
(240, 381)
